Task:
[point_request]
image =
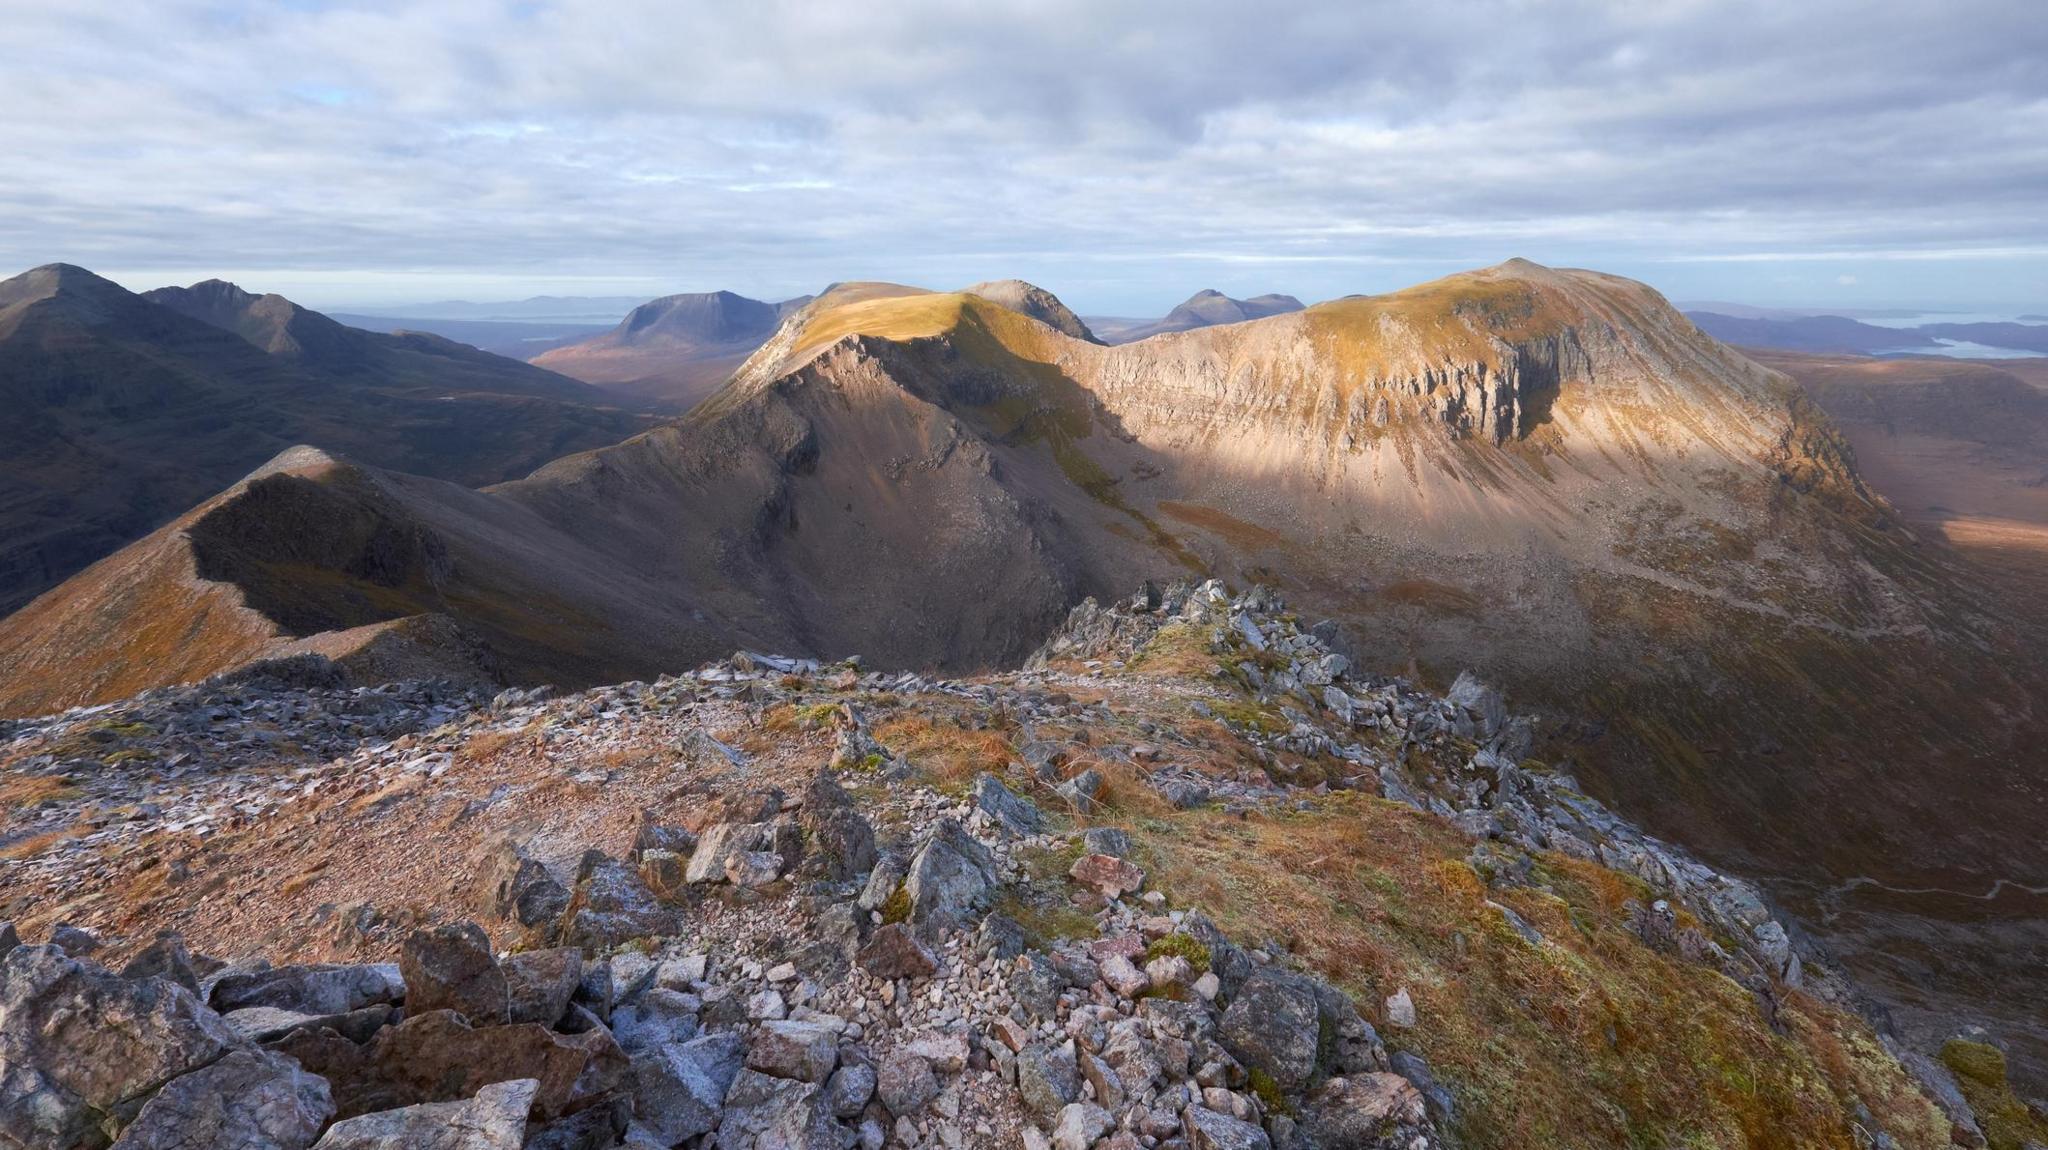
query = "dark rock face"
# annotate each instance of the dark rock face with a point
(612, 904)
(315, 989)
(681, 1087)
(518, 889)
(894, 951)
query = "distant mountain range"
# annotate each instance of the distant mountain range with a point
(1836, 333)
(601, 311)
(515, 339)
(124, 410)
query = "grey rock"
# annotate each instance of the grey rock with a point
(719, 843)
(1047, 1080)
(1080, 791)
(787, 1048)
(680, 1088)
(949, 877)
(1035, 985)
(1273, 1024)
(905, 1083)
(80, 1045)
(1442, 1107)
(1014, 814)
(850, 1088)
(249, 1100)
(1208, 1130)
(166, 957)
(313, 989)
(767, 1113)
(540, 983)
(9, 938)
(494, 1119)
(1110, 841)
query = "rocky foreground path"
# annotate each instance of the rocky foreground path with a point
(773, 904)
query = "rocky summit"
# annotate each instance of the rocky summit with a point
(1190, 879)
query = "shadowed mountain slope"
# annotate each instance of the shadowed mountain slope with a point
(124, 412)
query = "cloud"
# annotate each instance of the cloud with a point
(1118, 151)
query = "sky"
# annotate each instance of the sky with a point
(1122, 155)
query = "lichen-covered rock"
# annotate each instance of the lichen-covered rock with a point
(1273, 1025)
(249, 1100)
(612, 904)
(893, 952)
(540, 983)
(905, 1083)
(1353, 1113)
(81, 1048)
(1209, 1130)
(1016, 815)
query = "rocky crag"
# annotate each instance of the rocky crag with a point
(1189, 880)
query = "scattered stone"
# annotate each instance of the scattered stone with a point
(1109, 875)
(1401, 1009)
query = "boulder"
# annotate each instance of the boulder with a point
(166, 957)
(749, 870)
(314, 989)
(80, 1047)
(786, 1048)
(540, 983)
(249, 1100)
(612, 904)
(1016, 815)
(767, 1113)
(1079, 1125)
(949, 877)
(680, 1088)
(438, 1057)
(268, 1023)
(516, 888)
(494, 1119)
(1121, 976)
(1113, 877)
(1352, 1113)
(1208, 1130)
(893, 952)
(1048, 1078)
(1273, 1025)
(905, 1083)
(452, 967)
(1080, 791)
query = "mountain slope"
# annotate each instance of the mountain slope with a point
(672, 351)
(1036, 302)
(124, 412)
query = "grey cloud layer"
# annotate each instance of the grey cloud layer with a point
(784, 144)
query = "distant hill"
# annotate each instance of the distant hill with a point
(599, 311)
(672, 352)
(125, 410)
(514, 339)
(1036, 302)
(1207, 308)
(1808, 333)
